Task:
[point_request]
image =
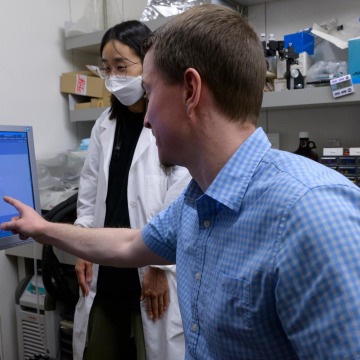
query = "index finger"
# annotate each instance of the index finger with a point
(15, 203)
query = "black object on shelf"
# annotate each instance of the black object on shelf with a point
(306, 146)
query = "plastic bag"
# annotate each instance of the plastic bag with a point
(92, 19)
(326, 70)
(117, 11)
(59, 177)
(337, 34)
(62, 172)
(164, 8)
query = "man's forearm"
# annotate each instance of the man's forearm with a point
(106, 246)
(110, 246)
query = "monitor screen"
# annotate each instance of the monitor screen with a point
(18, 177)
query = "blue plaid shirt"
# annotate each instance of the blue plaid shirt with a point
(268, 259)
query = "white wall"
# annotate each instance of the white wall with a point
(32, 59)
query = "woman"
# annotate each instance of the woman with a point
(122, 185)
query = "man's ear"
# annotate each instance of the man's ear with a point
(192, 89)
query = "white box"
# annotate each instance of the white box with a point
(280, 67)
(333, 151)
(280, 85)
(304, 63)
(355, 151)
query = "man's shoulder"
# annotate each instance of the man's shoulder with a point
(299, 170)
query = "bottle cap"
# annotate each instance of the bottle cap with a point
(303, 134)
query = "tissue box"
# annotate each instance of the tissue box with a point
(301, 41)
(354, 60)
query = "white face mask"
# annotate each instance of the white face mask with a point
(127, 90)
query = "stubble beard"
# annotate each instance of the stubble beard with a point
(168, 169)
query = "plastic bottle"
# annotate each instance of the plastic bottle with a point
(306, 146)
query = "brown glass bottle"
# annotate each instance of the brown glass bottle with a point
(306, 146)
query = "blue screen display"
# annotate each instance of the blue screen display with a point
(15, 173)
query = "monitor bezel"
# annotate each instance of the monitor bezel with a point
(14, 239)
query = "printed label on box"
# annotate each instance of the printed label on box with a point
(333, 151)
(355, 151)
(81, 82)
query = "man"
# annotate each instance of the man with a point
(265, 242)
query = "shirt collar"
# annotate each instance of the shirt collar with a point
(230, 185)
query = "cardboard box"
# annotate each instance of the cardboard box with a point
(280, 85)
(354, 60)
(103, 102)
(83, 83)
(97, 103)
(84, 105)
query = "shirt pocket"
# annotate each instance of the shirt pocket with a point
(226, 305)
(225, 314)
(237, 295)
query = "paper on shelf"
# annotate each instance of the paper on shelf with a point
(319, 31)
(337, 37)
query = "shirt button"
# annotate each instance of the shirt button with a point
(194, 328)
(132, 204)
(197, 276)
(207, 223)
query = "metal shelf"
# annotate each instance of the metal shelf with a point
(291, 99)
(90, 42)
(309, 97)
(86, 114)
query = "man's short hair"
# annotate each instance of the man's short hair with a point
(220, 44)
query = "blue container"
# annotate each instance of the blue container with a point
(354, 60)
(301, 41)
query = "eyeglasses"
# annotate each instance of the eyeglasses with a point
(120, 71)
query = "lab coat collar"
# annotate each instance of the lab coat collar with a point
(107, 133)
(145, 139)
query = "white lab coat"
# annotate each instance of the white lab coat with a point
(149, 191)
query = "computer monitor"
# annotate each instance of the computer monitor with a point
(18, 177)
